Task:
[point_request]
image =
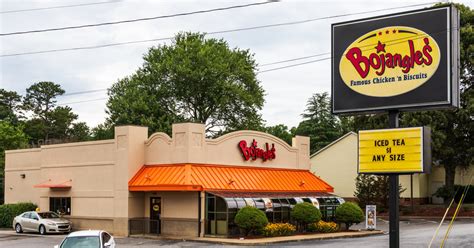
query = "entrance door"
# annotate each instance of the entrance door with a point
(155, 213)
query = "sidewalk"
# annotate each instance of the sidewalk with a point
(270, 240)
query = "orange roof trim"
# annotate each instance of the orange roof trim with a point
(201, 177)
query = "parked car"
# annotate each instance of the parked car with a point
(86, 239)
(42, 222)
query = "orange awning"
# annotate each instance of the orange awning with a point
(200, 177)
(56, 185)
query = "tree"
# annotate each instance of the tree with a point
(193, 79)
(40, 99)
(371, 189)
(9, 105)
(11, 137)
(79, 132)
(305, 213)
(250, 219)
(319, 123)
(349, 213)
(102, 132)
(281, 131)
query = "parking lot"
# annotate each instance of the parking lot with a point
(415, 233)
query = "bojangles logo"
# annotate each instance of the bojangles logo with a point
(253, 152)
(389, 61)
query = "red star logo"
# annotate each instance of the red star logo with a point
(380, 47)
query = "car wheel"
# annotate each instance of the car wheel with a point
(42, 230)
(18, 228)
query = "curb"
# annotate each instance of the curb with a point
(298, 238)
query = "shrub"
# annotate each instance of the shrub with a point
(371, 189)
(250, 219)
(278, 229)
(349, 213)
(323, 227)
(447, 194)
(305, 213)
(10, 211)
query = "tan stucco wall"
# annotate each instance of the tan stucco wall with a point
(189, 145)
(337, 165)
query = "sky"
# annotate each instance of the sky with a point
(286, 90)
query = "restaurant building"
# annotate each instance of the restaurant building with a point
(184, 185)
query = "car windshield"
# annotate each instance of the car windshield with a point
(81, 242)
(48, 215)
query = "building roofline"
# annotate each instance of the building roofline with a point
(332, 143)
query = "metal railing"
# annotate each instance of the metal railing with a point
(143, 226)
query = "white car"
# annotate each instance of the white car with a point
(42, 222)
(86, 239)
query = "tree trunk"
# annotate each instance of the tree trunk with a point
(450, 172)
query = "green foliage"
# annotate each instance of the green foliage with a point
(349, 213)
(319, 124)
(9, 211)
(305, 213)
(250, 219)
(9, 105)
(457, 191)
(11, 137)
(41, 98)
(373, 190)
(323, 227)
(79, 132)
(281, 131)
(102, 132)
(194, 80)
(278, 229)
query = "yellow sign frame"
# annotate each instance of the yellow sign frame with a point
(394, 151)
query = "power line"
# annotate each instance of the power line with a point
(208, 33)
(388, 43)
(294, 59)
(58, 7)
(136, 20)
(93, 100)
(82, 92)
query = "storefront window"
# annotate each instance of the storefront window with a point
(221, 212)
(60, 205)
(259, 203)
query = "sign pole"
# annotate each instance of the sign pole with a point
(394, 194)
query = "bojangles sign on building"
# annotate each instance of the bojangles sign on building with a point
(253, 151)
(401, 61)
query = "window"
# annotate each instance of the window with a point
(34, 216)
(60, 205)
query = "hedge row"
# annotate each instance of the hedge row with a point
(10, 211)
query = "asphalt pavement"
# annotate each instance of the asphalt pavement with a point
(414, 233)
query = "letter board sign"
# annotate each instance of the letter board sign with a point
(397, 150)
(400, 61)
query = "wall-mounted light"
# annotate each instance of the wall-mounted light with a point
(22, 175)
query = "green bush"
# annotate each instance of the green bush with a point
(305, 213)
(349, 213)
(447, 194)
(278, 229)
(10, 211)
(250, 219)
